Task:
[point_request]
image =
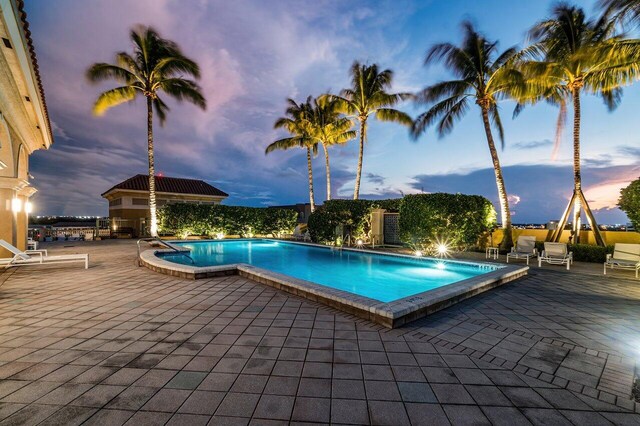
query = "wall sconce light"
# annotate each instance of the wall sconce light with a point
(28, 207)
(16, 205)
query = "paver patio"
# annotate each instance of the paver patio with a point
(119, 344)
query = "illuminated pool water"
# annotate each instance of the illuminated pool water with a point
(385, 278)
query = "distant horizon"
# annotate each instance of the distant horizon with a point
(254, 55)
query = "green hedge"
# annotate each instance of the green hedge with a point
(193, 219)
(460, 220)
(336, 219)
(584, 252)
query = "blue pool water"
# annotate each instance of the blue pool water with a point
(379, 277)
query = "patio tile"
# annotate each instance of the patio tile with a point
(65, 394)
(132, 398)
(249, 383)
(166, 400)
(311, 410)
(202, 402)
(525, 397)
(30, 415)
(218, 382)
(540, 416)
(98, 396)
(275, 407)
(69, 416)
(186, 380)
(416, 392)
(314, 387)
(109, 417)
(383, 391)
(181, 419)
(155, 378)
(451, 394)
(426, 414)
(505, 416)
(148, 418)
(277, 385)
(388, 413)
(31, 392)
(466, 415)
(348, 411)
(488, 395)
(238, 404)
(125, 376)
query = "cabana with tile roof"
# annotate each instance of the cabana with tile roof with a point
(129, 199)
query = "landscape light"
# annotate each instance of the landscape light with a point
(359, 242)
(442, 249)
(418, 253)
(220, 236)
(16, 205)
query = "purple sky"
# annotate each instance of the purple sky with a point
(255, 54)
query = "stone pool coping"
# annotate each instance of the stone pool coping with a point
(389, 314)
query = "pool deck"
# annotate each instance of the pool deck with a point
(118, 343)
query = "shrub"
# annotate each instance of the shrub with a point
(192, 219)
(339, 218)
(629, 203)
(460, 220)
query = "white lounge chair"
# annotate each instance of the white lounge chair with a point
(38, 257)
(525, 249)
(624, 256)
(556, 254)
(298, 235)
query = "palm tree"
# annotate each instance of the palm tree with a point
(157, 65)
(484, 76)
(329, 128)
(572, 55)
(368, 95)
(298, 122)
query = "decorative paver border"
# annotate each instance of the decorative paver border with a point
(614, 385)
(392, 314)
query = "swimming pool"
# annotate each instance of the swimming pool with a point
(379, 277)
(389, 289)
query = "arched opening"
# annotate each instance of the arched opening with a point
(6, 150)
(22, 171)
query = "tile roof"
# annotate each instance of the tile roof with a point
(34, 62)
(169, 184)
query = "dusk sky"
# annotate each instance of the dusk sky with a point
(255, 54)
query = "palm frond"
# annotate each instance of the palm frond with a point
(393, 115)
(182, 89)
(431, 116)
(161, 110)
(103, 71)
(172, 65)
(286, 143)
(113, 97)
(444, 89)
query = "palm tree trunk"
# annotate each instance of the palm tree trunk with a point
(311, 197)
(363, 131)
(577, 181)
(326, 164)
(153, 229)
(507, 241)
